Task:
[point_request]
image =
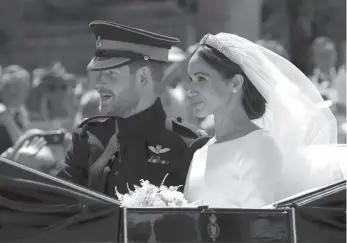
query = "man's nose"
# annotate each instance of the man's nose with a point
(98, 85)
(101, 83)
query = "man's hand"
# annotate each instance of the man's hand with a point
(30, 148)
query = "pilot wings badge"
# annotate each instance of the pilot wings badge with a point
(213, 229)
(157, 150)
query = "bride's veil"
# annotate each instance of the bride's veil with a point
(295, 114)
(322, 130)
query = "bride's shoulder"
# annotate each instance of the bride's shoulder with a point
(266, 144)
(261, 142)
(262, 136)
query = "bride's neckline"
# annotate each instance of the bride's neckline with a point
(214, 140)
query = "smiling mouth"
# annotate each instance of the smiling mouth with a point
(104, 96)
(196, 102)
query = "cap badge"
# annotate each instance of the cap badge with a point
(146, 58)
(98, 42)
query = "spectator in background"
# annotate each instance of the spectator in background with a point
(14, 119)
(274, 46)
(34, 151)
(324, 72)
(173, 95)
(340, 81)
(339, 112)
(339, 107)
(174, 98)
(52, 100)
(56, 89)
(15, 88)
(176, 54)
(89, 106)
(83, 84)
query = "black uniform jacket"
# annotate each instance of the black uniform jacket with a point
(151, 146)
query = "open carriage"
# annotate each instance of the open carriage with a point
(35, 207)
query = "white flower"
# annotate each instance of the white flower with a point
(159, 203)
(128, 201)
(149, 195)
(166, 195)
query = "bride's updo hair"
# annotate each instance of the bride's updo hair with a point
(253, 102)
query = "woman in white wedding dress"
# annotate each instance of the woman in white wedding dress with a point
(267, 114)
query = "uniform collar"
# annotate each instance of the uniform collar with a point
(146, 122)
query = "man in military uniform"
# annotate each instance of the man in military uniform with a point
(136, 141)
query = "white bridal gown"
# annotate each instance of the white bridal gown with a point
(240, 173)
(249, 172)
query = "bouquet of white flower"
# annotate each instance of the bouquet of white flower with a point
(149, 195)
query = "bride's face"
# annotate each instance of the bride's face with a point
(208, 91)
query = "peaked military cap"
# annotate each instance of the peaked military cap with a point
(118, 45)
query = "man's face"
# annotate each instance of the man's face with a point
(14, 92)
(55, 89)
(119, 92)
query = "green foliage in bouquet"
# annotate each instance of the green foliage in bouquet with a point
(149, 195)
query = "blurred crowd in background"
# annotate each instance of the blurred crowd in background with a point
(52, 99)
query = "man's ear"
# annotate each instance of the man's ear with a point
(144, 75)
